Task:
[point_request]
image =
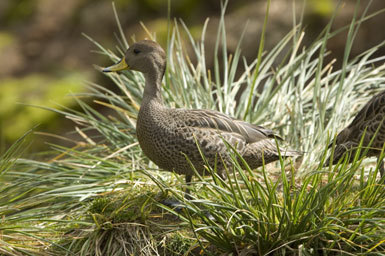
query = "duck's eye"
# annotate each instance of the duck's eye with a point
(136, 51)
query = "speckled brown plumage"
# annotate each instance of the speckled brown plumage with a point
(168, 135)
(369, 121)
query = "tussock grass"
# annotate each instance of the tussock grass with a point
(101, 196)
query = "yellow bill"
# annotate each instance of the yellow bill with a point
(121, 65)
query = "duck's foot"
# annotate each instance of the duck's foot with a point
(209, 216)
(178, 206)
(174, 204)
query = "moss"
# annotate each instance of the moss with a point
(6, 39)
(134, 216)
(178, 244)
(323, 8)
(160, 26)
(120, 4)
(122, 208)
(196, 31)
(16, 114)
(19, 10)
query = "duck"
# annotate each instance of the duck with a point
(175, 138)
(368, 125)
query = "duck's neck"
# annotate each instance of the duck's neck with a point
(153, 86)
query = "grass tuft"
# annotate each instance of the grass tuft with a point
(102, 195)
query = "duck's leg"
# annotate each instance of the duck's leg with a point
(382, 169)
(176, 204)
(187, 195)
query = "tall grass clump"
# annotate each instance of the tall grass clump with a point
(101, 196)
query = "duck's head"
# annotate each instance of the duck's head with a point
(143, 56)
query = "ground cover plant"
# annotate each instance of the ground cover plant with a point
(102, 196)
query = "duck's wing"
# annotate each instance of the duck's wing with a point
(370, 116)
(371, 109)
(215, 120)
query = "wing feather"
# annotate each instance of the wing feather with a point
(370, 111)
(216, 120)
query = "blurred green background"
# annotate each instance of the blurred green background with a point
(44, 57)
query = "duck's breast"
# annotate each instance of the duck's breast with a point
(161, 139)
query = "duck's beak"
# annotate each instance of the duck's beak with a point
(121, 65)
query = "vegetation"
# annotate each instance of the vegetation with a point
(102, 196)
(12, 94)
